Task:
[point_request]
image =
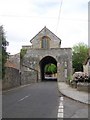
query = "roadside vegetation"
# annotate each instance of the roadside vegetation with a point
(80, 54)
(79, 79)
(50, 69)
(3, 54)
(22, 53)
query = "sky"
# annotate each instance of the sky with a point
(23, 19)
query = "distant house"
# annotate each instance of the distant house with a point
(13, 61)
(10, 64)
(86, 65)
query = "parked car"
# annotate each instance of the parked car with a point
(80, 77)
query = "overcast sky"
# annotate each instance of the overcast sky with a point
(23, 19)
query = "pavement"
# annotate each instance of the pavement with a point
(73, 93)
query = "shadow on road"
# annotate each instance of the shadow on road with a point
(50, 80)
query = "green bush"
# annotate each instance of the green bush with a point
(22, 53)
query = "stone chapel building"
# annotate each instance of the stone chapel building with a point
(45, 49)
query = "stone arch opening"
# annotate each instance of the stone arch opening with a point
(47, 60)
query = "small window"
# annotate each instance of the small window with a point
(45, 42)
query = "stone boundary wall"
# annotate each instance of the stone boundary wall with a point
(84, 87)
(28, 77)
(12, 78)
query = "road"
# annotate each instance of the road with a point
(40, 100)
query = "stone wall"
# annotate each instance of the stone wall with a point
(28, 77)
(15, 59)
(64, 53)
(83, 87)
(33, 57)
(55, 42)
(27, 47)
(12, 78)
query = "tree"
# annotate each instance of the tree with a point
(3, 53)
(80, 53)
(50, 69)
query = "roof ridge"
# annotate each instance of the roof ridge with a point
(43, 29)
(37, 34)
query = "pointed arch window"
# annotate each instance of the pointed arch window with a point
(45, 42)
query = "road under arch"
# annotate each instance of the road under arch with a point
(46, 60)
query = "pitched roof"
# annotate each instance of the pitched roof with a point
(13, 61)
(41, 31)
(10, 64)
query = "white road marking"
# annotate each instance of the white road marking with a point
(60, 106)
(60, 115)
(60, 109)
(61, 103)
(23, 98)
(61, 98)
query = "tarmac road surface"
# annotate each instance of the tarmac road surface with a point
(41, 100)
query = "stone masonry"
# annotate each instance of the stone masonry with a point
(12, 78)
(38, 55)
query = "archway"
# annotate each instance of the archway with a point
(45, 61)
